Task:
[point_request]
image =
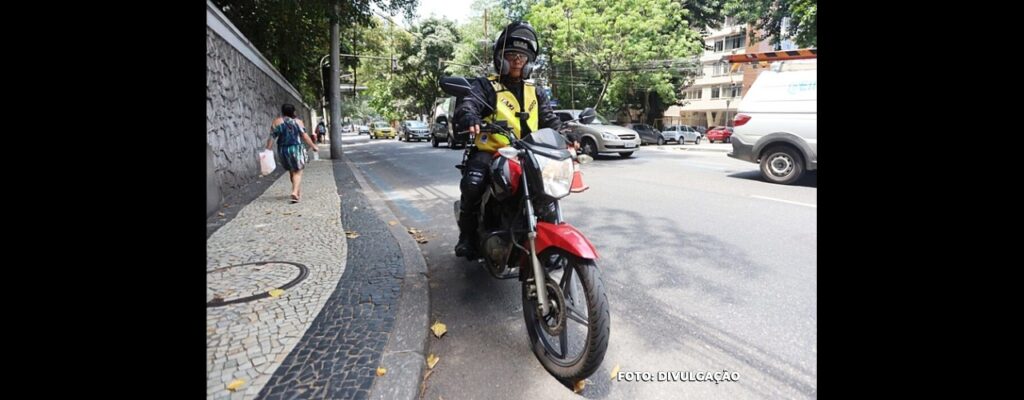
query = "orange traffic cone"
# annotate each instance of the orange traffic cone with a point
(577, 179)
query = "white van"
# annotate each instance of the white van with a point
(776, 124)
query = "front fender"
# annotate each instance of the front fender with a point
(566, 237)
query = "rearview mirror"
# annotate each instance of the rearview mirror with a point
(587, 116)
(456, 86)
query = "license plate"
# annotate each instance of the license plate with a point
(630, 145)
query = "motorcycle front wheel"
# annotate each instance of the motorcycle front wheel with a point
(571, 341)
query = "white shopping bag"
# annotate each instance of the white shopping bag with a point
(267, 164)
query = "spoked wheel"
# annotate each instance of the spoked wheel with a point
(571, 340)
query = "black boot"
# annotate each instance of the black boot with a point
(467, 236)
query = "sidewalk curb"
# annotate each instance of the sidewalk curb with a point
(403, 355)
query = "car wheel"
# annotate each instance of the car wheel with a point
(782, 164)
(661, 140)
(697, 141)
(589, 147)
(433, 141)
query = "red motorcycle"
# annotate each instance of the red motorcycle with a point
(522, 235)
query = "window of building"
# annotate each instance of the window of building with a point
(719, 45)
(715, 92)
(736, 90)
(735, 42)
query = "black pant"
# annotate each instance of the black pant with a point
(474, 181)
(473, 185)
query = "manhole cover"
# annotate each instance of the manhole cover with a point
(242, 283)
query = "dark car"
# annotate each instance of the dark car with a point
(650, 135)
(441, 129)
(413, 130)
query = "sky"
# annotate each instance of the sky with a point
(457, 10)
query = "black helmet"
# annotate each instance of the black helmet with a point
(518, 37)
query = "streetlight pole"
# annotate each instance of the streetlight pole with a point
(323, 88)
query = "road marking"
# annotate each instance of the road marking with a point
(786, 201)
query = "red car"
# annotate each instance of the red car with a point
(720, 133)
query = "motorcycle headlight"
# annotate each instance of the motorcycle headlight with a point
(609, 136)
(556, 175)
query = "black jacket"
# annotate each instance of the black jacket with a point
(469, 111)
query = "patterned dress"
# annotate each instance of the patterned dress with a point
(290, 151)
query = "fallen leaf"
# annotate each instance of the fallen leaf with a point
(432, 361)
(351, 234)
(413, 231)
(289, 212)
(381, 371)
(421, 240)
(392, 223)
(220, 214)
(439, 329)
(615, 371)
(578, 387)
(276, 293)
(235, 384)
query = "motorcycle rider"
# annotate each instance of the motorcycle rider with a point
(514, 57)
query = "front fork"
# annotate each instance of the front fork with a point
(539, 276)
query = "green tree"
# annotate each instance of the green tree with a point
(293, 35)
(384, 85)
(704, 13)
(620, 49)
(767, 17)
(472, 54)
(420, 64)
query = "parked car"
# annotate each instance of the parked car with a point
(777, 125)
(441, 130)
(414, 130)
(650, 135)
(720, 133)
(363, 129)
(685, 133)
(600, 136)
(381, 129)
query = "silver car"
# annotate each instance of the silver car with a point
(685, 133)
(600, 136)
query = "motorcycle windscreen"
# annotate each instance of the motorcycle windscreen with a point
(547, 137)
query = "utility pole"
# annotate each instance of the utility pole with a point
(335, 133)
